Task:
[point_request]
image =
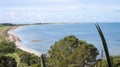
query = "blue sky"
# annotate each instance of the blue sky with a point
(30, 11)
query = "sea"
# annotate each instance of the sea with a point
(41, 37)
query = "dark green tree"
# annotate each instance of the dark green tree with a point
(71, 52)
(7, 62)
(29, 59)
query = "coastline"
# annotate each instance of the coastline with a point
(14, 38)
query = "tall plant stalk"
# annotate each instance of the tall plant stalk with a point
(104, 45)
(42, 61)
(101, 59)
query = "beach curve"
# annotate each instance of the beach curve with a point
(14, 38)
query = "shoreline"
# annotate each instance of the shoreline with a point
(14, 38)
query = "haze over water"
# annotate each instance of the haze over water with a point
(41, 37)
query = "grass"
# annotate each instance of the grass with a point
(13, 55)
(2, 28)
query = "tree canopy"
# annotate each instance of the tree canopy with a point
(7, 62)
(70, 52)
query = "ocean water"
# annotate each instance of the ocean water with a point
(41, 37)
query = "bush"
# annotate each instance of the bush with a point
(7, 62)
(71, 51)
(7, 46)
(29, 59)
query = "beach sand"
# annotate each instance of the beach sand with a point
(14, 38)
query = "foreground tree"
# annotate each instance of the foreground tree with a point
(7, 62)
(71, 52)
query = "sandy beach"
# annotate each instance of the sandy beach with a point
(14, 38)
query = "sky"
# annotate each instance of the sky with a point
(57, 11)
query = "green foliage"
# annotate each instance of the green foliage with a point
(7, 62)
(13, 55)
(7, 24)
(43, 64)
(29, 59)
(104, 45)
(36, 65)
(7, 47)
(71, 51)
(115, 62)
(2, 28)
(3, 31)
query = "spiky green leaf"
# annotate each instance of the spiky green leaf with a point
(104, 45)
(42, 61)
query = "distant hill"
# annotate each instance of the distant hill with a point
(7, 24)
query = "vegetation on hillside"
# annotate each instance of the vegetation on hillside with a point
(67, 52)
(2, 28)
(7, 47)
(29, 59)
(11, 56)
(7, 61)
(7, 24)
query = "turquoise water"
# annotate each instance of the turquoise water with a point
(50, 33)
